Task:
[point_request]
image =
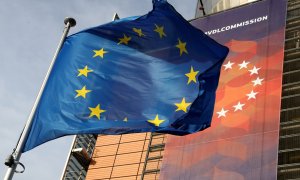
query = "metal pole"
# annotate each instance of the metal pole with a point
(202, 8)
(69, 22)
(68, 159)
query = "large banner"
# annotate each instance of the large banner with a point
(242, 142)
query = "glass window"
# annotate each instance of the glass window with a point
(107, 140)
(221, 7)
(227, 4)
(131, 147)
(106, 150)
(102, 161)
(128, 158)
(99, 172)
(234, 3)
(123, 171)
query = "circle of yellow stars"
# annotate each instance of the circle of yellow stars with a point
(125, 40)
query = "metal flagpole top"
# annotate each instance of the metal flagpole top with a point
(116, 17)
(71, 21)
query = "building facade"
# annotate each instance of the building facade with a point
(115, 157)
(139, 156)
(289, 141)
(214, 6)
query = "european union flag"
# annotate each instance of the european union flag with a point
(153, 73)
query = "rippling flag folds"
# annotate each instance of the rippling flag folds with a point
(153, 73)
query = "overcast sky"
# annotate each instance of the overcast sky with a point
(29, 34)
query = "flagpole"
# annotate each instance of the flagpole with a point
(13, 160)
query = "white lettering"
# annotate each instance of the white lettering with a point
(238, 25)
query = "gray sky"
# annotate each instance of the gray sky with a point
(29, 34)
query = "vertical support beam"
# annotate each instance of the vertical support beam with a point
(68, 159)
(147, 156)
(115, 156)
(137, 173)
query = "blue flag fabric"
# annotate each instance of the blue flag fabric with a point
(153, 73)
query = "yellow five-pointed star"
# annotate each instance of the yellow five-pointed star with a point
(181, 47)
(160, 31)
(182, 106)
(84, 71)
(96, 111)
(156, 121)
(82, 92)
(100, 53)
(138, 31)
(124, 40)
(192, 75)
